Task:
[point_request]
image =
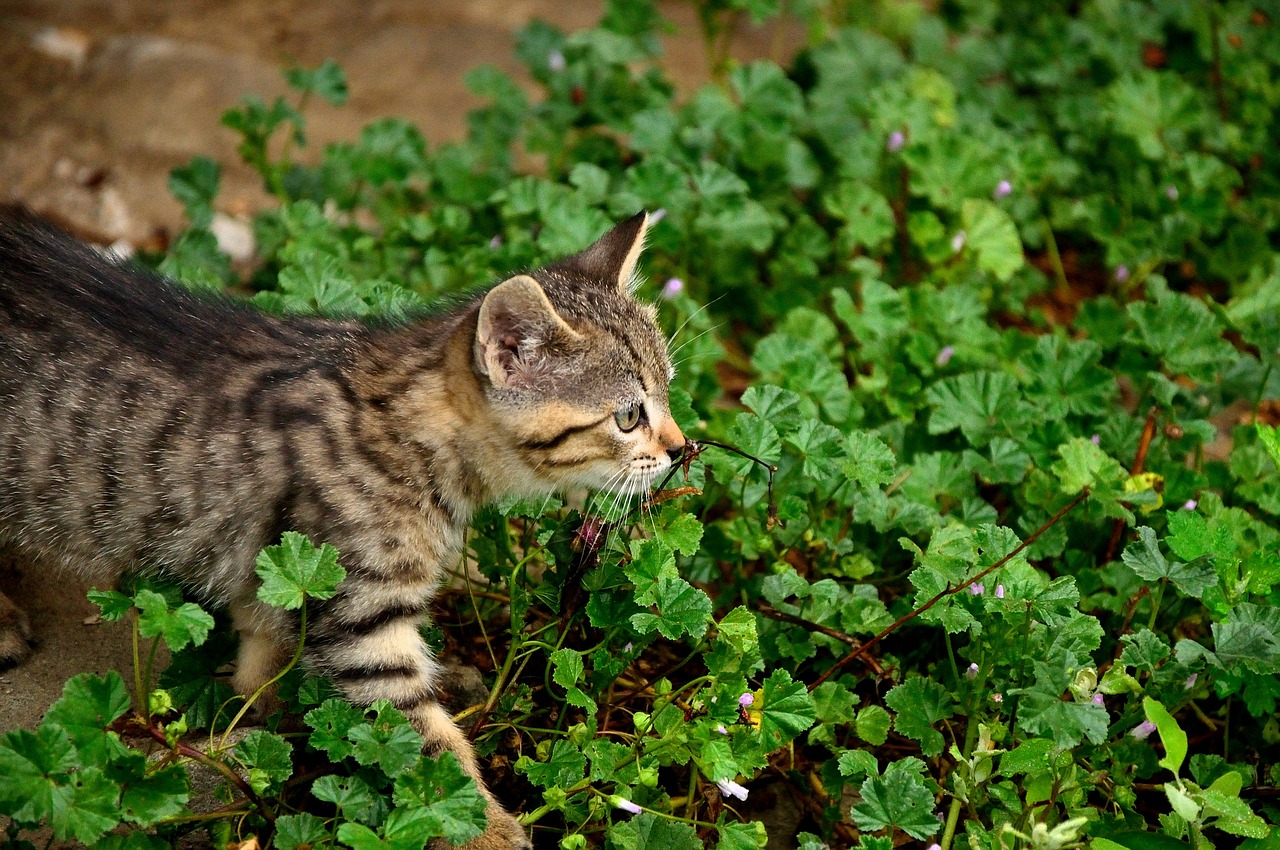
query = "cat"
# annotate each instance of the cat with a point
(144, 426)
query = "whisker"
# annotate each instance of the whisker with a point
(691, 340)
(693, 316)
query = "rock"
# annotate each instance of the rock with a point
(66, 44)
(234, 235)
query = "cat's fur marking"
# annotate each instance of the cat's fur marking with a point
(142, 425)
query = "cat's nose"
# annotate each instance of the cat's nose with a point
(675, 454)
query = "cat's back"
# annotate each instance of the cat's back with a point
(135, 414)
(58, 295)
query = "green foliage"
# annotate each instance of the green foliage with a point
(989, 286)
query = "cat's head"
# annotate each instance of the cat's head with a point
(576, 371)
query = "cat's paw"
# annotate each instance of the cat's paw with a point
(15, 633)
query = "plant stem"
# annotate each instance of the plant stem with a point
(1155, 604)
(1059, 272)
(297, 656)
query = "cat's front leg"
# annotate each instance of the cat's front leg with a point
(376, 652)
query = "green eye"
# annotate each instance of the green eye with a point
(628, 417)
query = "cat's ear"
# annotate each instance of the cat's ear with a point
(613, 257)
(517, 329)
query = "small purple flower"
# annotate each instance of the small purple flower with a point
(628, 647)
(997, 697)
(957, 241)
(657, 215)
(1171, 192)
(934, 846)
(895, 141)
(945, 355)
(1191, 681)
(555, 61)
(977, 588)
(1121, 273)
(746, 700)
(625, 804)
(720, 728)
(972, 672)
(495, 243)
(999, 591)
(1003, 190)
(1143, 730)
(673, 287)
(1096, 440)
(1097, 699)
(1190, 505)
(729, 788)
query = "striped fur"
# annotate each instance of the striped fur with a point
(143, 426)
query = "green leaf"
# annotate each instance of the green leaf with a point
(151, 798)
(869, 221)
(268, 757)
(195, 185)
(1031, 756)
(186, 624)
(983, 405)
(567, 667)
(898, 799)
(647, 831)
(351, 794)
(296, 569)
(445, 801)
(991, 234)
(869, 462)
(1184, 333)
(88, 705)
(652, 560)
(786, 710)
(742, 836)
(872, 724)
(113, 604)
(1084, 465)
(328, 81)
(1269, 436)
(1171, 734)
(1145, 558)
(564, 766)
(682, 609)
(682, 534)
(386, 740)
(919, 704)
(295, 831)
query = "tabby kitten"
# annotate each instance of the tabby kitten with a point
(142, 425)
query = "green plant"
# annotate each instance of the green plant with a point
(987, 286)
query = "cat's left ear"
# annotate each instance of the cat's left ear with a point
(517, 332)
(613, 257)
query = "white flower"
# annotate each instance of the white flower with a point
(625, 804)
(729, 788)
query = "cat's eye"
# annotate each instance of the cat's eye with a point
(629, 417)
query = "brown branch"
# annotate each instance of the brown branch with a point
(767, 610)
(210, 762)
(942, 594)
(1139, 463)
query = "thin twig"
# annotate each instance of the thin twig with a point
(942, 594)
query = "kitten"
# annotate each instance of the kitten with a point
(142, 425)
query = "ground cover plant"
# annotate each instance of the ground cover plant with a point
(989, 298)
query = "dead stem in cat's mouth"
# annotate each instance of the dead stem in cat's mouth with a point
(694, 448)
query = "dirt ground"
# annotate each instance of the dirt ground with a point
(101, 98)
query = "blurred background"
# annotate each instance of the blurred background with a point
(103, 97)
